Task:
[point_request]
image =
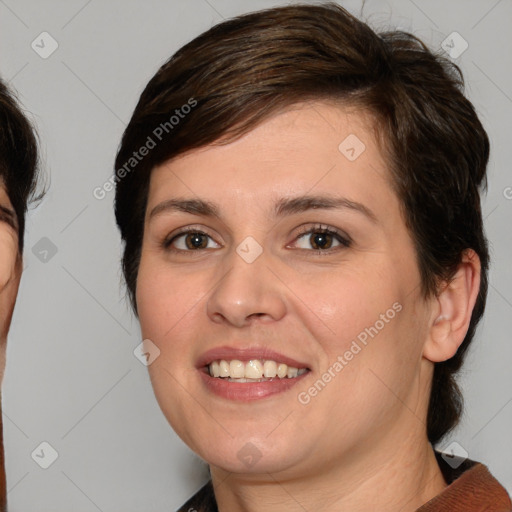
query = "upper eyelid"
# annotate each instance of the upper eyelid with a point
(324, 227)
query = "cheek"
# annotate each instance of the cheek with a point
(372, 334)
(355, 305)
(157, 303)
(166, 301)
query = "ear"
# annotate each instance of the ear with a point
(452, 310)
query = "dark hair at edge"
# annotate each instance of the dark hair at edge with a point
(249, 68)
(19, 160)
(18, 174)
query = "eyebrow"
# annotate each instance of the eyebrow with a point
(7, 215)
(283, 207)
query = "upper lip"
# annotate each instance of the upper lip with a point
(246, 354)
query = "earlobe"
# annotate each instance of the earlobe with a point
(453, 309)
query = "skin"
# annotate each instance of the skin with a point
(362, 440)
(10, 275)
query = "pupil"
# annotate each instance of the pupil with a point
(320, 240)
(195, 241)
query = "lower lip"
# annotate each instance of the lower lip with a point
(248, 391)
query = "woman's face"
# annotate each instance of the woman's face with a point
(10, 270)
(263, 282)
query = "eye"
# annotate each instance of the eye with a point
(322, 239)
(8, 217)
(189, 239)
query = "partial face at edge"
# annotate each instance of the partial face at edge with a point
(10, 270)
(308, 296)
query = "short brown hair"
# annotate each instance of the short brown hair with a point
(249, 68)
(19, 161)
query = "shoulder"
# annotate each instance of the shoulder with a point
(471, 487)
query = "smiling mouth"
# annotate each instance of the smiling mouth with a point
(254, 370)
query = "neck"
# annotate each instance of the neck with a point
(390, 480)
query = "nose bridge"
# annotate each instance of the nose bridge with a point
(248, 288)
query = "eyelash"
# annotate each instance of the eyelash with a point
(344, 240)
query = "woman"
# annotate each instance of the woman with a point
(18, 176)
(304, 248)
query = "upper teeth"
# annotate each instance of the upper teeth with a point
(253, 369)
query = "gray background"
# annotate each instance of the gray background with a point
(72, 379)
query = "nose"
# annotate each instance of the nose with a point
(248, 292)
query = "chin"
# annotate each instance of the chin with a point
(250, 455)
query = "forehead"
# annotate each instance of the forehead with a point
(314, 146)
